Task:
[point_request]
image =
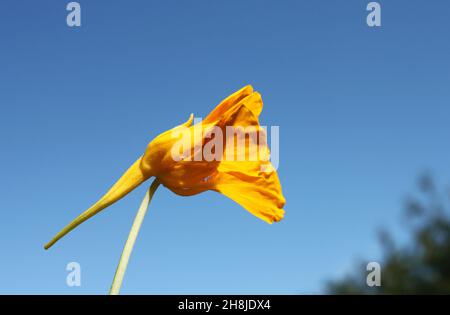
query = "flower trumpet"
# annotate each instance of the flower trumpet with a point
(193, 158)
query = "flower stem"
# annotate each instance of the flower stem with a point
(128, 248)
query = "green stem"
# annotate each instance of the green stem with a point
(128, 248)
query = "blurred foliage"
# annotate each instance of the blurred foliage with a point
(423, 265)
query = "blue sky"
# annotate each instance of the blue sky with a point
(362, 112)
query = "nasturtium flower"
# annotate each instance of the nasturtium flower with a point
(193, 158)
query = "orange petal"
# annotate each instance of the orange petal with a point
(253, 184)
(259, 194)
(228, 103)
(254, 103)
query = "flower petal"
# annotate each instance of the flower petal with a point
(260, 195)
(253, 184)
(228, 103)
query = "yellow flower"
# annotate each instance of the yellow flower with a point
(227, 152)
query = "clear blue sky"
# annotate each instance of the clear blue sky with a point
(361, 111)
